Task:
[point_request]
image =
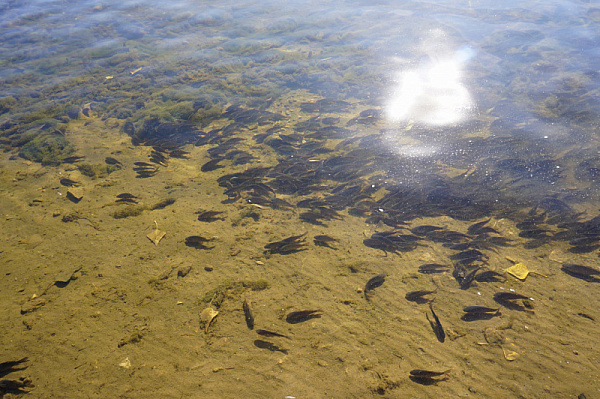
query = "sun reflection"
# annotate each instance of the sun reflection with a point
(434, 92)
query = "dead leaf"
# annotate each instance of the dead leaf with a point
(156, 236)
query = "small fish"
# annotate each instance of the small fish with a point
(324, 241)
(374, 282)
(69, 183)
(268, 333)
(468, 279)
(111, 161)
(248, 314)
(417, 296)
(478, 228)
(211, 165)
(209, 216)
(259, 343)
(197, 242)
(509, 296)
(489, 276)
(73, 159)
(302, 315)
(428, 374)
(430, 268)
(580, 270)
(424, 229)
(126, 195)
(144, 165)
(437, 325)
(480, 309)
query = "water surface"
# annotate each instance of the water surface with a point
(359, 121)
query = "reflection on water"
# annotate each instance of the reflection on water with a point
(155, 154)
(434, 92)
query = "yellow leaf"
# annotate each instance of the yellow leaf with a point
(519, 270)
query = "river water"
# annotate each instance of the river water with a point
(164, 163)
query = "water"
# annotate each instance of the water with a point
(357, 121)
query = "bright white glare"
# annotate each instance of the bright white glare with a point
(418, 151)
(433, 93)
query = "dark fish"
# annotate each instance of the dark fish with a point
(489, 276)
(587, 316)
(267, 333)
(584, 241)
(480, 309)
(69, 183)
(480, 228)
(427, 373)
(458, 247)
(430, 268)
(269, 346)
(466, 281)
(144, 165)
(469, 254)
(126, 195)
(534, 233)
(302, 315)
(73, 159)
(423, 230)
(324, 241)
(179, 153)
(248, 314)
(508, 296)
(197, 242)
(211, 165)
(209, 216)
(163, 204)
(111, 161)
(374, 282)
(580, 270)
(287, 246)
(436, 325)
(417, 296)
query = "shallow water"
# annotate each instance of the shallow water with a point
(356, 120)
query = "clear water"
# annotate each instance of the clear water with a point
(367, 117)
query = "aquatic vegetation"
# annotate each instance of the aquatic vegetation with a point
(48, 149)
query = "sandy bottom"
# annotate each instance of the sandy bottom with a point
(127, 326)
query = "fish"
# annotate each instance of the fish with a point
(580, 270)
(509, 296)
(211, 165)
(479, 228)
(209, 216)
(480, 309)
(428, 374)
(249, 316)
(268, 333)
(374, 282)
(489, 276)
(436, 325)
(466, 281)
(302, 315)
(424, 229)
(417, 296)
(198, 242)
(430, 268)
(69, 183)
(126, 196)
(111, 161)
(259, 343)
